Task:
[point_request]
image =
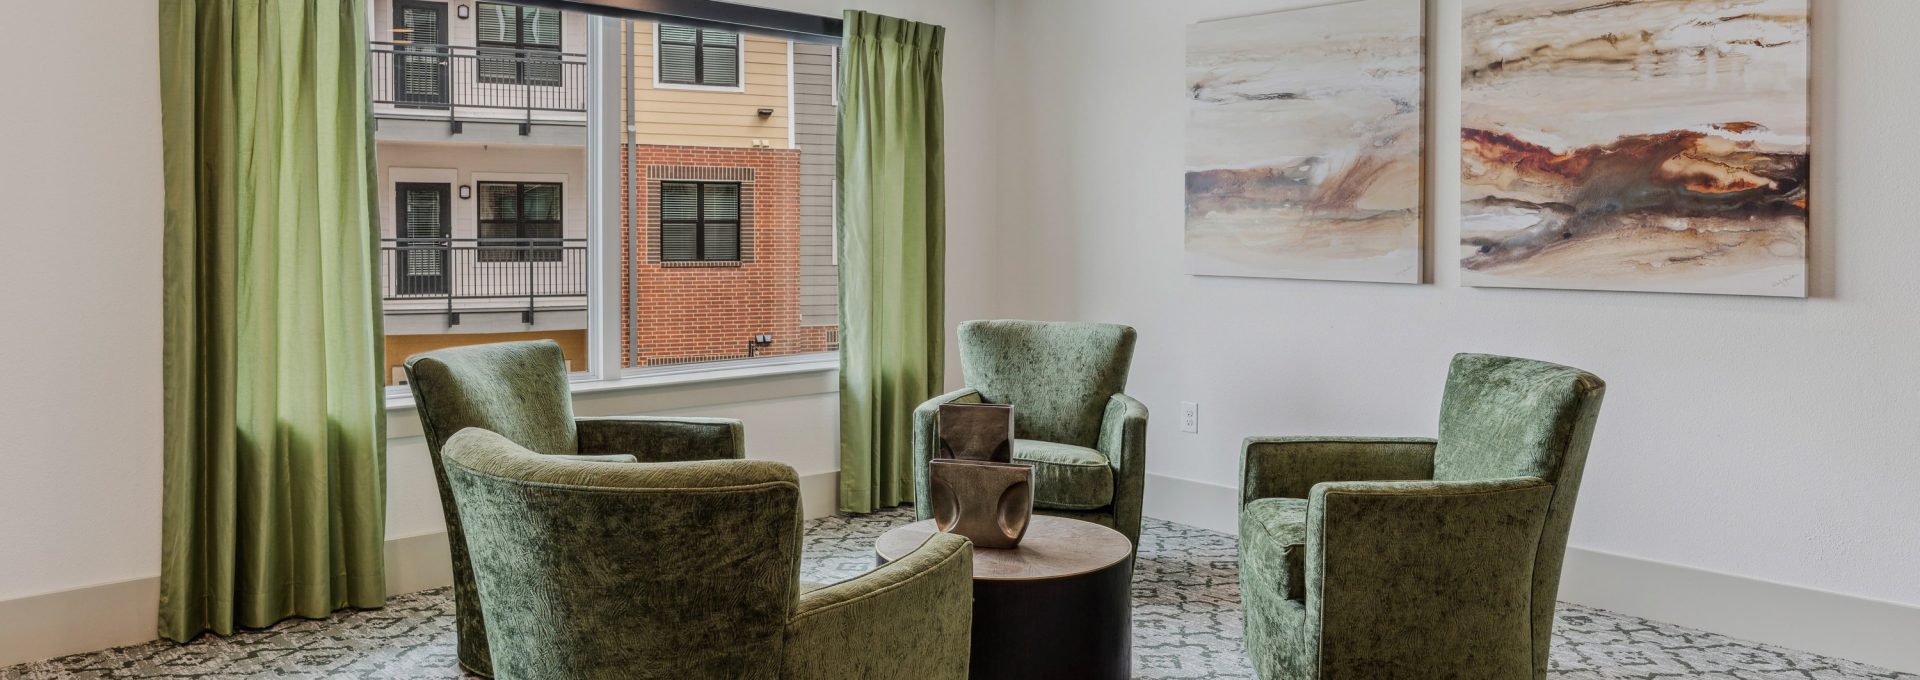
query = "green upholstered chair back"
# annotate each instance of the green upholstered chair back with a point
(516, 389)
(1057, 375)
(1506, 417)
(628, 570)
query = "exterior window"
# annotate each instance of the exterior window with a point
(699, 222)
(520, 221)
(518, 45)
(698, 56)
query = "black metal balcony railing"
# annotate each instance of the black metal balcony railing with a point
(449, 78)
(516, 273)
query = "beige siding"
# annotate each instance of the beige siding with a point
(707, 117)
(814, 121)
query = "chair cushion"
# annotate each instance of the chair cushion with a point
(1066, 477)
(1273, 545)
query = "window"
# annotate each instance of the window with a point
(697, 56)
(519, 45)
(653, 227)
(520, 221)
(699, 222)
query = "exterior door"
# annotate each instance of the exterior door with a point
(425, 220)
(420, 54)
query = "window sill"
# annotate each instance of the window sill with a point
(702, 264)
(699, 88)
(644, 379)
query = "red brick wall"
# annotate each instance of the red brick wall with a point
(687, 312)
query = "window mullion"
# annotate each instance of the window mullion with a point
(699, 58)
(700, 222)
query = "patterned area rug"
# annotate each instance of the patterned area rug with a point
(1186, 623)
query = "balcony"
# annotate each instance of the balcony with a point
(458, 85)
(490, 276)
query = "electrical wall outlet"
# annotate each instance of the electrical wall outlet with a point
(1189, 417)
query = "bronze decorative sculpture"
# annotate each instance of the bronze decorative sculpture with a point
(976, 432)
(977, 490)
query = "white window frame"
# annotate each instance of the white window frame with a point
(605, 335)
(740, 55)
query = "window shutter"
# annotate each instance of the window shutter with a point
(677, 34)
(540, 31)
(420, 76)
(679, 215)
(424, 25)
(540, 27)
(723, 242)
(498, 23)
(719, 58)
(498, 26)
(676, 54)
(721, 223)
(423, 214)
(722, 202)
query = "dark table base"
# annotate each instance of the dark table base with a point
(1068, 628)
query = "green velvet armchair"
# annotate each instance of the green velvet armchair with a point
(591, 569)
(1419, 558)
(519, 390)
(1086, 440)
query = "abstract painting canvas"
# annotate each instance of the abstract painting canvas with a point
(1651, 145)
(1304, 134)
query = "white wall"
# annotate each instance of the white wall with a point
(80, 200)
(1765, 438)
(80, 280)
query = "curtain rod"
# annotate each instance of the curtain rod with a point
(711, 14)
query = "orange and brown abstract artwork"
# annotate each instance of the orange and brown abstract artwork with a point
(1642, 145)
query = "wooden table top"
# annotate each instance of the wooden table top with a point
(1054, 547)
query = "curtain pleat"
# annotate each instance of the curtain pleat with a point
(892, 239)
(274, 500)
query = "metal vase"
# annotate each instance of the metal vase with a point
(989, 503)
(976, 432)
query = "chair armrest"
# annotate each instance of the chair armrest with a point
(663, 440)
(1289, 467)
(911, 618)
(926, 443)
(1394, 556)
(1123, 440)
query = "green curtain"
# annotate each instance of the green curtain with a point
(892, 251)
(275, 492)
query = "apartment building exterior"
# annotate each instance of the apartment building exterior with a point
(726, 181)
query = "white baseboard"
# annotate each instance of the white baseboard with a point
(79, 620)
(1884, 634)
(127, 612)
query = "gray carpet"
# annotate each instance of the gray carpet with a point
(1186, 622)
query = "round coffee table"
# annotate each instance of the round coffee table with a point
(1058, 606)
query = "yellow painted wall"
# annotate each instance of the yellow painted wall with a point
(701, 117)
